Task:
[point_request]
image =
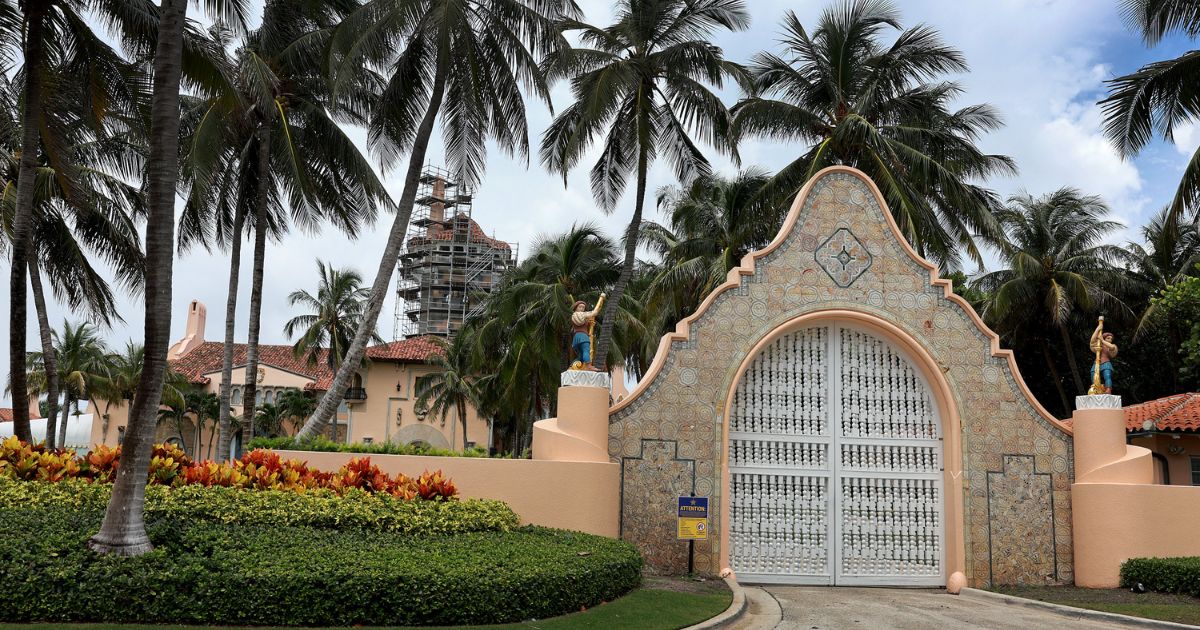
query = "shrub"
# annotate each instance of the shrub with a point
(258, 469)
(203, 572)
(323, 444)
(1166, 575)
(355, 509)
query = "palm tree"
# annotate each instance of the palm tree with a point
(644, 82)
(274, 144)
(451, 386)
(1160, 96)
(268, 420)
(56, 109)
(296, 406)
(520, 342)
(93, 218)
(82, 360)
(336, 313)
(712, 223)
(465, 60)
(1056, 269)
(851, 98)
(1169, 253)
(123, 531)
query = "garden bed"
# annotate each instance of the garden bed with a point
(204, 571)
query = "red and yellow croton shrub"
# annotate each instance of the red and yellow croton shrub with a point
(257, 470)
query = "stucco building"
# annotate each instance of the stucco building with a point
(1170, 428)
(380, 405)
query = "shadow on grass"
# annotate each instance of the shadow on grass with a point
(650, 608)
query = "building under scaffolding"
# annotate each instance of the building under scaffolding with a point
(448, 261)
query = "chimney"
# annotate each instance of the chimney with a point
(35, 410)
(194, 335)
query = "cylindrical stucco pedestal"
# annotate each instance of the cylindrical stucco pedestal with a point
(580, 432)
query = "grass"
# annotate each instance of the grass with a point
(658, 606)
(1160, 606)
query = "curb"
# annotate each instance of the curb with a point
(736, 608)
(1071, 611)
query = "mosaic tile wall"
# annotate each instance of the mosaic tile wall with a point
(842, 254)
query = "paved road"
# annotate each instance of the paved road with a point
(823, 608)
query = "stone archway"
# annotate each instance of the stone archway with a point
(835, 459)
(1007, 462)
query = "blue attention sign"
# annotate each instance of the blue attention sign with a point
(693, 507)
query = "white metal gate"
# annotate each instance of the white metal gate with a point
(835, 462)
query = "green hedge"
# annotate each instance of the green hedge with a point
(326, 445)
(318, 508)
(205, 572)
(1165, 575)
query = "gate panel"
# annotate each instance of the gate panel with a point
(835, 465)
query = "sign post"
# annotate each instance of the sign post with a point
(692, 517)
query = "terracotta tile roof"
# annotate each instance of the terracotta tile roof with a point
(207, 357)
(1180, 412)
(6, 414)
(459, 223)
(415, 349)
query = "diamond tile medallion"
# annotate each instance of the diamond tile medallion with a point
(843, 257)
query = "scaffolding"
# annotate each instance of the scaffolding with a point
(448, 262)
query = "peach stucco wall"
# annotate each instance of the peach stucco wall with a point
(1118, 511)
(388, 414)
(1178, 450)
(580, 496)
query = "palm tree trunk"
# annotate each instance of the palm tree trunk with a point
(62, 425)
(600, 352)
(1071, 360)
(256, 286)
(317, 422)
(1062, 393)
(462, 419)
(49, 362)
(235, 268)
(123, 531)
(22, 219)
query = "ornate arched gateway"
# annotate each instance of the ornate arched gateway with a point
(851, 420)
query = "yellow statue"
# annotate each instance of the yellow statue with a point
(1102, 344)
(583, 333)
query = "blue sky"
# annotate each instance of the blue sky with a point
(1042, 63)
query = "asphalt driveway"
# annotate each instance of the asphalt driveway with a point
(825, 608)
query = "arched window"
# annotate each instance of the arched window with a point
(236, 397)
(258, 397)
(270, 396)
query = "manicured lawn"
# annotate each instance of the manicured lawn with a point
(649, 608)
(1160, 606)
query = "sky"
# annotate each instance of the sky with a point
(1041, 63)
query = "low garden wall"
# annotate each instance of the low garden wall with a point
(1116, 522)
(581, 496)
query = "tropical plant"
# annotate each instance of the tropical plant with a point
(123, 530)
(465, 60)
(712, 222)
(75, 89)
(851, 98)
(1159, 96)
(82, 360)
(1056, 269)
(271, 147)
(644, 84)
(451, 386)
(336, 313)
(268, 420)
(520, 342)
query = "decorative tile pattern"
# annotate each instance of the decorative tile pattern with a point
(843, 257)
(1021, 523)
(674, 428)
